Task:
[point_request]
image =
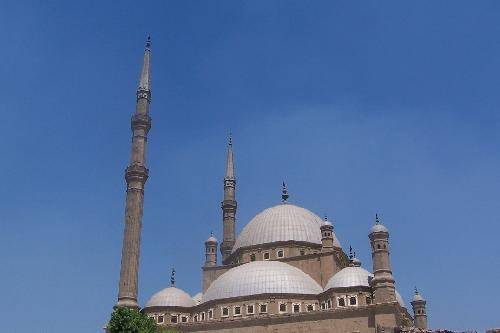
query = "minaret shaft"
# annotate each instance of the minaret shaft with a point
(136, 176)
(228, 206)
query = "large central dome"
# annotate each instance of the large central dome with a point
(283, 222)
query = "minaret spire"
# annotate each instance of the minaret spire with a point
(136, 176)
(172, 278)
(229, 159)
(284, 193)
(228, 205)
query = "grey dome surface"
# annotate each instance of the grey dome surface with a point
(378, 228)
(171, 296)
(262, 277)
(400, 299)
(283, 222)
(350, 277)
(198, 298)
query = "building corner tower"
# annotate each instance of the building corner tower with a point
(383, 281)
(228, 206)
(419, 313)
(136, 175)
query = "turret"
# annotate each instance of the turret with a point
(228, 206)
(211, 251)
(136, 175)
(326, 236)
(419, 313)
(383, 281)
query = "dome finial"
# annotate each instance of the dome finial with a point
(350, 253)
(377, 221)
(416, 290)
(284, 193)
(172, 278)
(230, 139)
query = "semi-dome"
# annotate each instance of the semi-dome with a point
(283, 222)
(261, 277)
(171, 296)
(353, 276)
(198, 298)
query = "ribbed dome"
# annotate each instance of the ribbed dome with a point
(350, 277)
(262, 277)
(283, 222)
(171, 297)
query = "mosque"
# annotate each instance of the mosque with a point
(285, 272)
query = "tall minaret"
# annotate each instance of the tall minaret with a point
(383, 281)
(228, 205)
(136, 175)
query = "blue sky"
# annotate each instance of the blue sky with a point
(362, 107)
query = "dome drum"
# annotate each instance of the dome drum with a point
(289, 249)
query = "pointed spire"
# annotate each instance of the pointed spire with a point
(229, 159)
(172, 278)
(145, 80)
(284, 193)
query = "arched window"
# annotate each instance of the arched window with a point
(341, 301)
(252, 257)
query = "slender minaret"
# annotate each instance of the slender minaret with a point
(228, 206)
(136, 175)
(383, 281)
(419, 313)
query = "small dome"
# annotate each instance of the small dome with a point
(283, 222)
(198, 298)
(353, 276)
(378, 228)
(171, 296)
(327, 223)
(417, 297)
(262, 277)
(211, 239)
(356, 262)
